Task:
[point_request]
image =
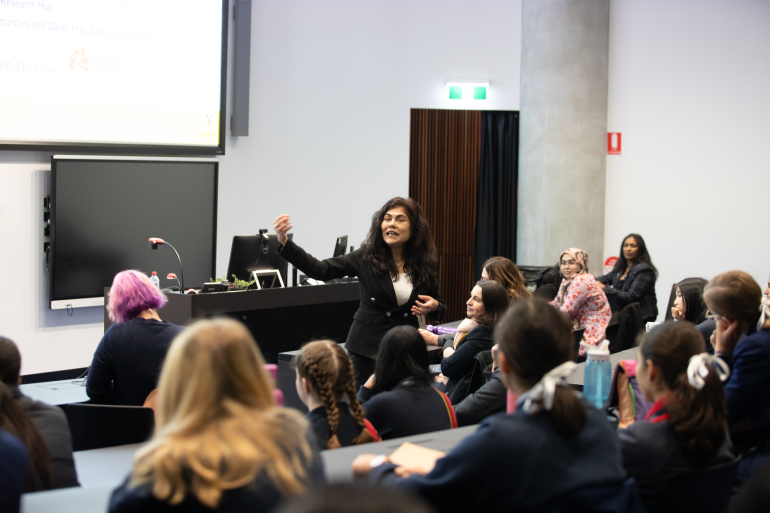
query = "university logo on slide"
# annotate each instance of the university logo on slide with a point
(78, 59)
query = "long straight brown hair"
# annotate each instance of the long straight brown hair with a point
(15, 421)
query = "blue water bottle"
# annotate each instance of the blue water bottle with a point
(598, 374)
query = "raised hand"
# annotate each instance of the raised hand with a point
(282, 225)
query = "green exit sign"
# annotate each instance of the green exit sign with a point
(467, 91)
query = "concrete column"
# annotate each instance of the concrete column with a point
(563, 130)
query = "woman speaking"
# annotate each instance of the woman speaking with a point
(397, 270)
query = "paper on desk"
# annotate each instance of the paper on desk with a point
(416, 457)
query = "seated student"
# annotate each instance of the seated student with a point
(686, 427)
(506, 273)
(220, 442)
(13, 471)
(555, 449)
(488, 400)
(689, 304)
(127, 362)
(324, 377)
(486, 307)
(399, 399)
(633, 277)
(49, 420)
(581, 298)
(15, 421)
(742, 339)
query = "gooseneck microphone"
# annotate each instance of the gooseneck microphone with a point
(154, 243)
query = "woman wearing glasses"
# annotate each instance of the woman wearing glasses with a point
(581, 298)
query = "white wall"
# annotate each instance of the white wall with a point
(332, 84)
(689, 89)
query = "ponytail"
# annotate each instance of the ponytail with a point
(696, 405)
(536, 340)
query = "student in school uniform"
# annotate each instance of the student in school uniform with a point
(742, 339)
(399, 399)
(686, 428)
(555, 451)
(325, 378)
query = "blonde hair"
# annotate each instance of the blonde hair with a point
(218, 426)
(735, 295)
(330, 373)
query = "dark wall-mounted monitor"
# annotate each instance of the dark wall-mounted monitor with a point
(104, 210)
(341, 246)
(138, 77)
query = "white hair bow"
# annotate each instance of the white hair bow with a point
(698, 370)
(764, 308)
(545, 389)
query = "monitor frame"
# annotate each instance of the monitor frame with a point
(62, 304)
(143, 148)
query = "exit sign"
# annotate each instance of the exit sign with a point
(467, 91)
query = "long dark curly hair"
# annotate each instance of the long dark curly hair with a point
(420, 255)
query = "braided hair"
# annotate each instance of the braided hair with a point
(330, 374)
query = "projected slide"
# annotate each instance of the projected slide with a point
(111, 71)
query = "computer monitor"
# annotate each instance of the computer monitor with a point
(246, 255)
(341, 246)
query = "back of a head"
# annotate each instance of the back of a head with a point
(227, 367)
(330, 373)
(698, 416)
(10, 362)
(496, 302)
(692, 292)
(217, 424)
(17, 422)
(402, 355)
(735, 295)
(356, 498)
(535, 338)
(506, 273)
(131, 293)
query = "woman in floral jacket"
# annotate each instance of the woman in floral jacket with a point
(581, 298)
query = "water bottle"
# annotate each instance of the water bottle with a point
(155, 280)
(598, 373)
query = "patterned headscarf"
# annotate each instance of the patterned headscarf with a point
(582, 260)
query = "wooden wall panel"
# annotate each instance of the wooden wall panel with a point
(445, 150)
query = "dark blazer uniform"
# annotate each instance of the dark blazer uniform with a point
(458, 367)
(378, 311)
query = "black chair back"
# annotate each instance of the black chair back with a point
(705, 491)
(94, 426)
(671, 299)
(623, 335)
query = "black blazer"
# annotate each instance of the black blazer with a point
(459, 366)
(378, 311)
(414, 407)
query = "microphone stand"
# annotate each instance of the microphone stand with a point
(181, 271)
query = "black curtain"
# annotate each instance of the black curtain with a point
(497, 191)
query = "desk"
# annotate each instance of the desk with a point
(279, 319)
(576, 378)
(57, 393)
(101, 470)
(337, 462)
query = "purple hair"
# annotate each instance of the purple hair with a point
(132, 293)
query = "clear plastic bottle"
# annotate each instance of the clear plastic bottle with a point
(155, 280)
(598, 373)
